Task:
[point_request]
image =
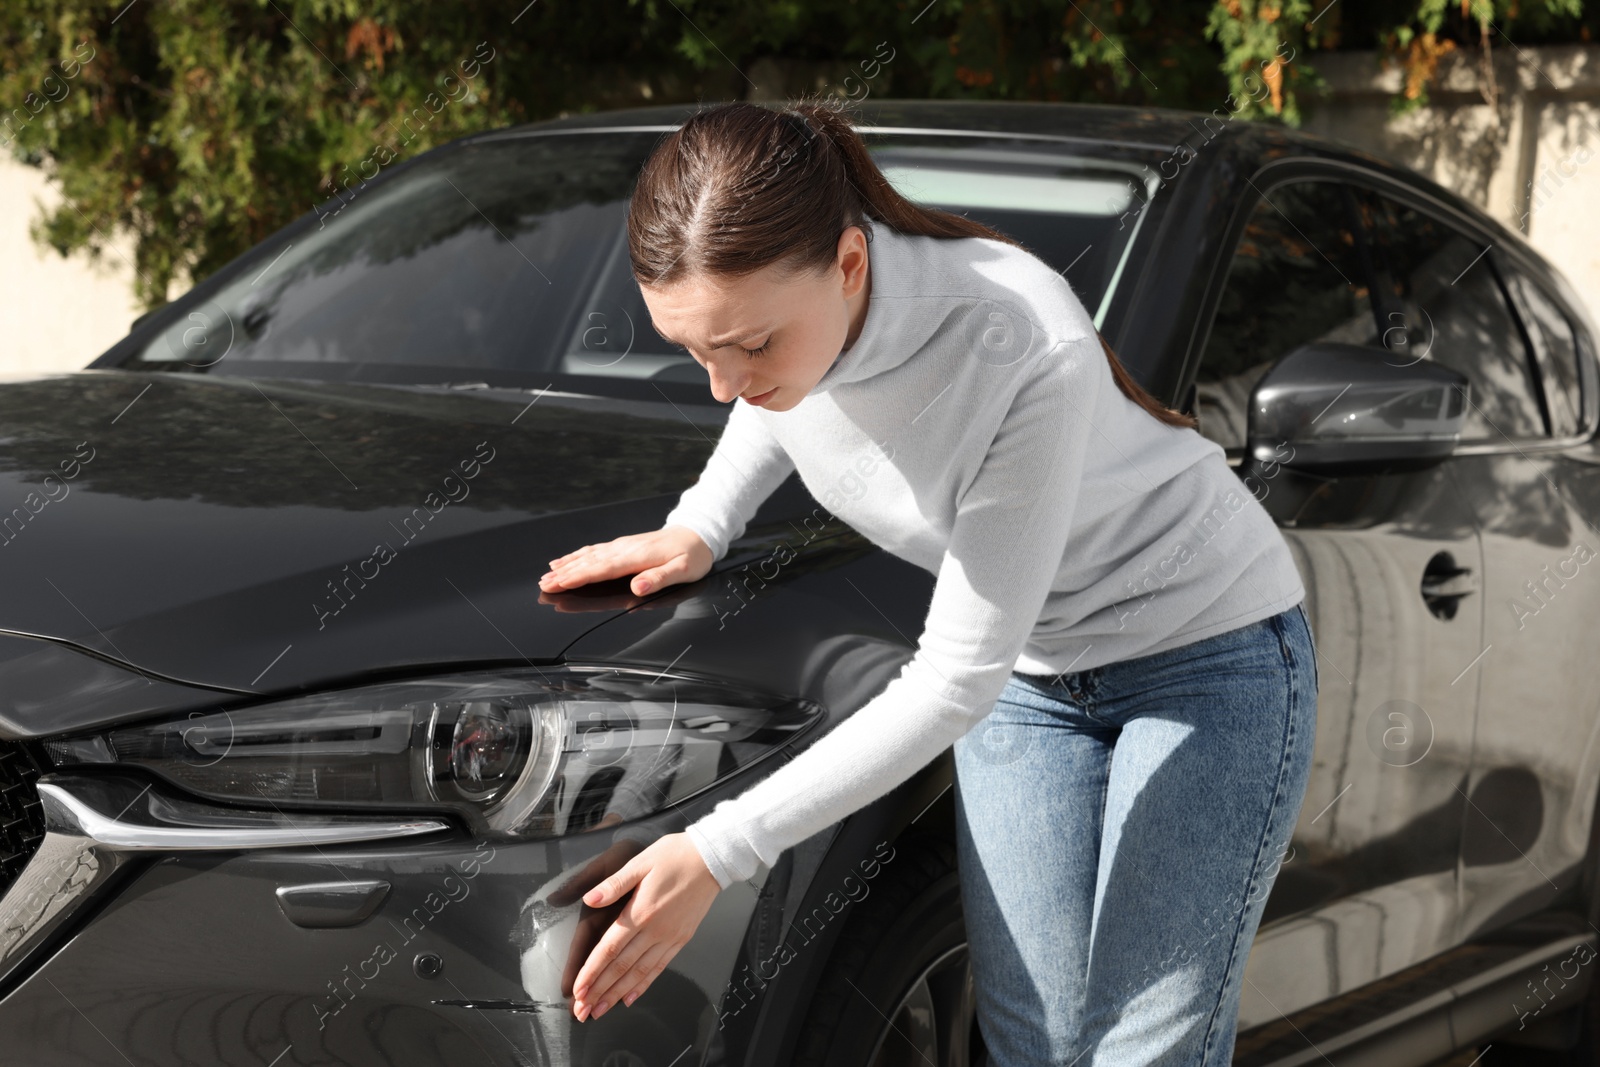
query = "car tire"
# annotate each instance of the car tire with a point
(897, 989)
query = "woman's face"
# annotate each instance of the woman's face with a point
(800, 324)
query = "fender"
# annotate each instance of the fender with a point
(768, 1034)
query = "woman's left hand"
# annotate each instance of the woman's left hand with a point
(672, 891)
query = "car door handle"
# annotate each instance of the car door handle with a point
(1444, 584)
(1449, 584)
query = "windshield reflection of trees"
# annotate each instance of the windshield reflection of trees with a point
(481, 257)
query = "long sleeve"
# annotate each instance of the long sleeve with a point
(1004, 549)
(747, 464)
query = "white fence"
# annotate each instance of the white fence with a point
(55, 314)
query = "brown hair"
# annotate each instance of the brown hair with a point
(739, 186)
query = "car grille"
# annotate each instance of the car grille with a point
(21, 814)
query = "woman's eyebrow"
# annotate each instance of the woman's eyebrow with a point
(717, 342)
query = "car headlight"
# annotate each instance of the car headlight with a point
(526, 751)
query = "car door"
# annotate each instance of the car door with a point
(1525, 470)
(1389, 561)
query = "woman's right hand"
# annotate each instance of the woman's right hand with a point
(656, 558)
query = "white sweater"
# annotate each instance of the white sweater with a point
(973, 429)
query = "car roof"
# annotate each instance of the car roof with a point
(1212, 135)
(1229, 147)
(1158, 128)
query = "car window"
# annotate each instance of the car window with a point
(1295, 278)
(505, 261)
(1078, 215)
(1436, 293)
(1554, 345)
(474, 259)
(1071, 213)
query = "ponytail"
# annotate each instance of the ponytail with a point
(740, 186)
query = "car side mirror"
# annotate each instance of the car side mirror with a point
(1330, 408)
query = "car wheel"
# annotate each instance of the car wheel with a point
(898, 990)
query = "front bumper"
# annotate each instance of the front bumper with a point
(150, 929)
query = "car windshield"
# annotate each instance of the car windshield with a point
(503, 261)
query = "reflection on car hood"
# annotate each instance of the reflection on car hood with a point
(261, 535)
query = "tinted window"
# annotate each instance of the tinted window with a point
(1554, 346)
(505, 261)
(1075, 214)
(479, 258)
(1295, 278)
(1436, 293)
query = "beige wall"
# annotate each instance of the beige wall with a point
(55, 314)
(1533, 161)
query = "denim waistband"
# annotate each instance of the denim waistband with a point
(1085, 682)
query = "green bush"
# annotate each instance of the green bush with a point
(200, 127)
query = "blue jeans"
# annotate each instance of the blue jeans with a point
(1118, 829)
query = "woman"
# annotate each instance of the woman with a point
(1132, 618)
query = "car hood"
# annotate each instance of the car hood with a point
(261, 536)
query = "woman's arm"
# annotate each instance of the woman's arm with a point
(742, 471)
(1007, 543)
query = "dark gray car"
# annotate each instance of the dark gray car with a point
(298, 765)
